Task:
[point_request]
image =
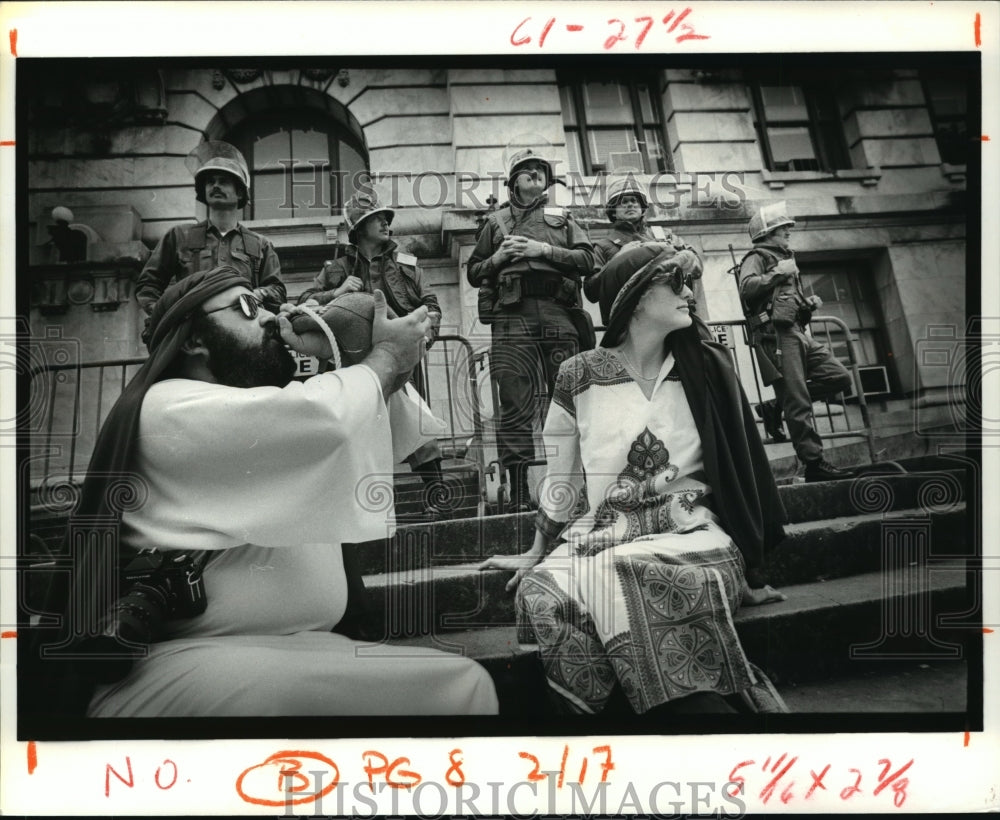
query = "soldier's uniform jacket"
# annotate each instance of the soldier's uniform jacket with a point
(761, 295)
(621, 234)
(187, 249)
(556, 275)
(394, 273)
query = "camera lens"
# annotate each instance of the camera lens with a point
(137, 617)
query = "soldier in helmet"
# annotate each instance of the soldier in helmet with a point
(778, 312)
(373, 262)
(529, 259)
(627, 203)
(222, 183)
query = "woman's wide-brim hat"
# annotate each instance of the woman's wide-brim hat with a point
(623, 281)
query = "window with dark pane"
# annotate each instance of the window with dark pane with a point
(848, 293)
(798, 126)
(612, 124)
(298, 162)
(947, 102)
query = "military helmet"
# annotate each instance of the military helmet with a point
(361, 206)
(767, 219)
(215, 155)
(620, 187)
(526, 148)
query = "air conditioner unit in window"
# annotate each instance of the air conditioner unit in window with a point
(621, 162)
(874, 381)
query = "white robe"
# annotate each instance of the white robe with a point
(277, 478)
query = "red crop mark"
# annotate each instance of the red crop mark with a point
(13, 41)
(6, 142)
(986, 629)
(966, 741)
(978, 29)
(32, 757)
(9, 633)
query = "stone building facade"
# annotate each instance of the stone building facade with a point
(872, 163)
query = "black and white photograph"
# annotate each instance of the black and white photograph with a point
(635, 392)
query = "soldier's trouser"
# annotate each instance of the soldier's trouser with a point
(530, 341)
(810, 372)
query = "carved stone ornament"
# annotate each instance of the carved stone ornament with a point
(242, 76)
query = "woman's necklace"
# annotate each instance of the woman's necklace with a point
(638, 372)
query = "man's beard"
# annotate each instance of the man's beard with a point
(237, 364)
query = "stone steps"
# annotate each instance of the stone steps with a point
(421, 589)
(807, 637)
(865, 499)
(426, 589)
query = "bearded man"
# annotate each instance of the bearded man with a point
(234, 462)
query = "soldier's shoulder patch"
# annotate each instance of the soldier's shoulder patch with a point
(406, 259)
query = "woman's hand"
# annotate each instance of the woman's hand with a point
(765, 595)
(520, 565)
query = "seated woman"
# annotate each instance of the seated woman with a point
(657, 499)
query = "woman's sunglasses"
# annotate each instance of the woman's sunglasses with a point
(247, 304)
(675, 277)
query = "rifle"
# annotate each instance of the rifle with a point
(770, 371)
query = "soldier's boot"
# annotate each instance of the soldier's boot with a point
(435, 492)
(770, 412)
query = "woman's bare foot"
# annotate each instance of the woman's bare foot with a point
(765, 595)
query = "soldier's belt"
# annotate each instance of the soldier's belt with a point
(544, 286)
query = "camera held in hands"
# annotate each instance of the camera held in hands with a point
(161, 586)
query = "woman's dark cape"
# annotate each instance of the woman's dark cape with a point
(736, 466)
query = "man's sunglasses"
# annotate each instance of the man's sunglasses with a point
(675, 277)
(247, 304)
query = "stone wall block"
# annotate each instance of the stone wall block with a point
(510, 99)
(409, 130)
(705, 97)
(689, 126)
(374, 103)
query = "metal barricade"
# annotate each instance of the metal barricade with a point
(450, 367)
(70, 401)
(752, 382)
(68, 426)
(754, 387)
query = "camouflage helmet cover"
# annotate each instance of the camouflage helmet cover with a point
(767, 219)
(216, 155)
(618, 187)
(361, 206)
(526, 148)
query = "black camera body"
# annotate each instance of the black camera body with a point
(160, 586)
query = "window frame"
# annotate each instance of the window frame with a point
(637, 124)
(938, 119)
(858, 273)
(288, 120)
(826, 134)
